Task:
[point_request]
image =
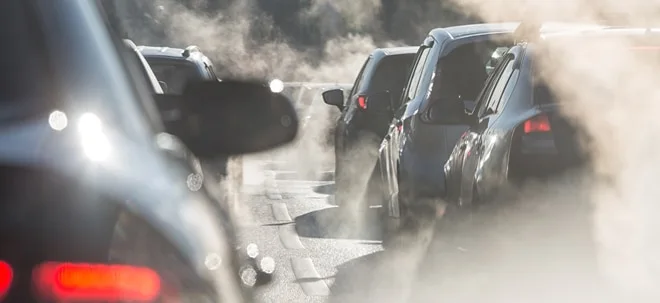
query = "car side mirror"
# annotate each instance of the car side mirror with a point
(334, 97)
(230, 117)
(448, 112)
(380, 102)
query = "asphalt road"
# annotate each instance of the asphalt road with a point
(534, 253)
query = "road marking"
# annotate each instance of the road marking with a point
(309, 279)
(280, 212)
(270, 186)
(289, 237)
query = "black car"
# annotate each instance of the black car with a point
(174, 67)
(449, 72)
(93, 205)
(518, 131)
(365, 114)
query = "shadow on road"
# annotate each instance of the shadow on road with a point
(335, 223)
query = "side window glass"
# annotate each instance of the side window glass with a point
(499, 85)
(416, 74)
(488, 89)
(358, 80)
(508, 90)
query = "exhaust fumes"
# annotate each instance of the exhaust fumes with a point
(582, 237)
(610, 91)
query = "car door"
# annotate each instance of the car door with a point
(477, 139)
(390, 148)
(349, 109)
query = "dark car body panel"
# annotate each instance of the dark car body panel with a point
(93, 77)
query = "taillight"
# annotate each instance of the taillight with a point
(538, 124)
(399, 127)
(362, 102)
(6, 277)
(65, 282)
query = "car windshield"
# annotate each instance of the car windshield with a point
(175, 73)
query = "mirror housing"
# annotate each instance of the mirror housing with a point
(230, 117)
(380, 102)
(334, 97)
(451, 112)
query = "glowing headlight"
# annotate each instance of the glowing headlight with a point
(94, 141)
(276, 86)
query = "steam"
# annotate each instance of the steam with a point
(544, 239)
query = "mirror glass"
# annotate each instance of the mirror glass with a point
(233, 117)
(334, 97)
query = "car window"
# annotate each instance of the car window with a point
(391, 75)
(147, 73)
(416, 74)
(487, 89)
(358, 80)
(175, 74)
(499, 85)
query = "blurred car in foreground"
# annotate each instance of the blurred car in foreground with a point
(94, 207)
(518, 131)
(366, 112)
(449, 72)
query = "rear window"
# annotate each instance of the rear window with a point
(175, 74)
(543, 94)
(391, 74)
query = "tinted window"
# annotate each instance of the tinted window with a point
(502, 80)
(26, 83)
(391, 75)
(543, 94)
(174, 73)
(358, 80)
(416, 74)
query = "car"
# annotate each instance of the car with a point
(365, 115)
(450, 69)
(518, 132)
(91, 191)
(174, 67)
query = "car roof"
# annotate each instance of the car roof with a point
(402, 50)
(470, 30)
(161, 51)
(606, 32)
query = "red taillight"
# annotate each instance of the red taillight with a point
(399, 127)
(65, 282)
(362, 102)
(538, 124)
(6, 277)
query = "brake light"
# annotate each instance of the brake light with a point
(65, 282)
(399, 127)
(6, 277)
(538, 124)
(362, 102)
